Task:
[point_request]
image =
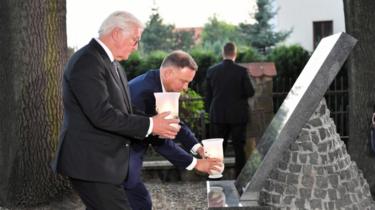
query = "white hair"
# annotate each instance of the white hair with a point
(121, 19)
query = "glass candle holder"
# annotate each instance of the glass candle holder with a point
(167, 102)
(214, 149)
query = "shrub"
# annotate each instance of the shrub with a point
(132, 65)
(248, 55)
(204, 59)
(152, 61)
(289, 60)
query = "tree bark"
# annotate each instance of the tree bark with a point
(33, 52)
(360, 23)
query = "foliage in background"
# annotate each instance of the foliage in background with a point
(248, 54)
(261, 34)
(133, 65)
(191, 111)
(152, 61)
(164, 37)
(289, 60)
(216, 33)
(204, 59)
(183, 40)
(137, 64)
(157, 35)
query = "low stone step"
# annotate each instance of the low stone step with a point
(165, 164)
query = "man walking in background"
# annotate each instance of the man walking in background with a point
(228, 90)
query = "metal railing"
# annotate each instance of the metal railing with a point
(336, 96)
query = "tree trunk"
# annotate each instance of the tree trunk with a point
(360, 23)
(33, 52)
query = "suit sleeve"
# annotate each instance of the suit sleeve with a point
(186, 137)
(88, 83)
(174, 153)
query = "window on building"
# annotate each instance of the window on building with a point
(321, 29)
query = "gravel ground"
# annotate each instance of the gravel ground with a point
(165, 196)
(178, 195)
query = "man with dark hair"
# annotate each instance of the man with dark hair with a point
(228, 89)
(176, 72)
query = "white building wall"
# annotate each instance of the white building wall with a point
(300, 15)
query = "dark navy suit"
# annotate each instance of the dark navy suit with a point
(142, 89)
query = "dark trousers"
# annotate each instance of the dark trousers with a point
(139, 197)
(237, 133)
(101, 196)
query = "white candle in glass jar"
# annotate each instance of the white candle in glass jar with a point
(214, 149)
(167, 102)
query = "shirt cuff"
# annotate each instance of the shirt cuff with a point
(192, 164)
(195, 148)
(149, 131)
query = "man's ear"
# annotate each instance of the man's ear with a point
(116, 33)
(168, 73)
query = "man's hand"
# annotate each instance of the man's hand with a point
(163, 127)
(200, 152)
(209, 164)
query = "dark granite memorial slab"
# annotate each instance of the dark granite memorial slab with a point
(284, 128)
(301, 102)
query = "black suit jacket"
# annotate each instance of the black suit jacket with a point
(98, 121)
(228, 89)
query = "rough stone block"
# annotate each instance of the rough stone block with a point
(316, 122)
(307, 146)
(307, 181)
(300, 203)
(322, 133)
(320, 194)
(283, 165)
(279, 188)
(288, 200)
(315, 137)
(332, 194)
(292, 179)
(291, 190)
(307, 169)
(333, 180)
(268, 185)
(320, 170)
(314, 158)
(305, 193)
(295, 168)
(316, 204)
(302, 158)
(322, 182)
(282, 177)
(276, 199)
(324, 159)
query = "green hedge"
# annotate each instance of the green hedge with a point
(289, 60)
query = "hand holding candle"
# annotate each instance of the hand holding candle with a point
(214, 149)
(162, 126)
(167, 102)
